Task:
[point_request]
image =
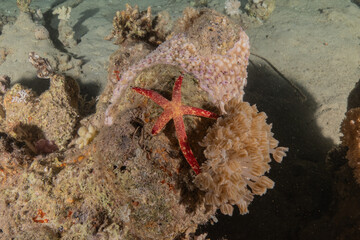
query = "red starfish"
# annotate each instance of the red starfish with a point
(175, 110)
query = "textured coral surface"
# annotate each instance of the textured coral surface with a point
(175, 110)
(52, 115)
(211, 48)
(126, 184)
(350, 128)
(131, 24)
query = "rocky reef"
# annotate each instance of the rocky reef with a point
(52, 115)
(117, 179)
(206, 44)
(350, 128)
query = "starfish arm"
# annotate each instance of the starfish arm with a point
(156, 97)
(160, 123)
(184, 145)
(176, 94)
(187, 110)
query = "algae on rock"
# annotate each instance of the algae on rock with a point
(126, 183)
(51, 116)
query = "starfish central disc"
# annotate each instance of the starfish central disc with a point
(175, 110)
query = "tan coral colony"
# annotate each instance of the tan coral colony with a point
(238, 149)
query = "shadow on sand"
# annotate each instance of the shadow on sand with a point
(302, 191)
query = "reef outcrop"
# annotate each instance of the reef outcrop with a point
(51, 116)
(211, 48)
(350, 129)
(117, 180)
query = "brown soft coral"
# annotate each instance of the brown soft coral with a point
(350, 128)
(238, 149)
(133, 24)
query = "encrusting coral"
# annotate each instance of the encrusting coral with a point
(125, 182)
(238, 149)
(175, 110)
(52, 116)
(350, 128)
(13, 158)
(211, 49)
(206, 45)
